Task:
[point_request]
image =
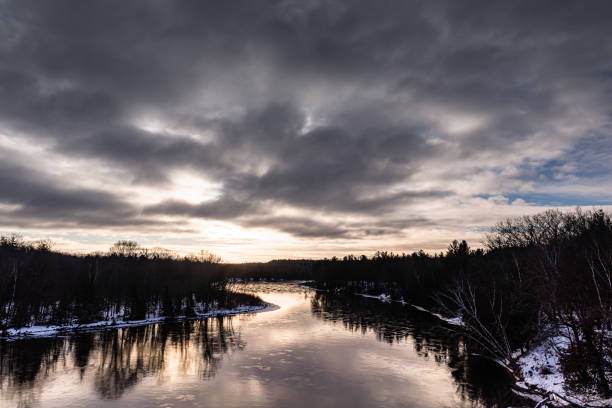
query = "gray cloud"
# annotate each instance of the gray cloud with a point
(354, 110)
(38, 199)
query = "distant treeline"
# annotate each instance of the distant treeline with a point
(539, 276)
(40, 286)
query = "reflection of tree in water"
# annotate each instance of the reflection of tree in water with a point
(127, 355)
(202, 344)
(23, 366)
(117, 359)
(477, 379)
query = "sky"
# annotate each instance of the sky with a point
(299, 129)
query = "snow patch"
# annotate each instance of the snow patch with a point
(456, 321)
(385, 298)
(50, 331)
(541, 369)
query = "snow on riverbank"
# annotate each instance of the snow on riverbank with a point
(455, 321)
(385, 298)
(540, 368)
(541, 371)
(50, 331)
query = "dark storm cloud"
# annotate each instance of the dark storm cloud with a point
(224, 208)
(36, 198)
(348, 108)
(309, 228)
(37, 201)
(300, 226)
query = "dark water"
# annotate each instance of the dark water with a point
(315, 351)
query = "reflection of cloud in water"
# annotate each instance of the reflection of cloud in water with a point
(310, 352)
(476, 379)
(117, 359)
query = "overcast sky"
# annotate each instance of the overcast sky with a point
(271, 129)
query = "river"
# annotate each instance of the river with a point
(315, 350)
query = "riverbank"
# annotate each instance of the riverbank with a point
(118, 321)
(386, 298)
(540, 377)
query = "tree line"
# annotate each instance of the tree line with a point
(41, 286)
